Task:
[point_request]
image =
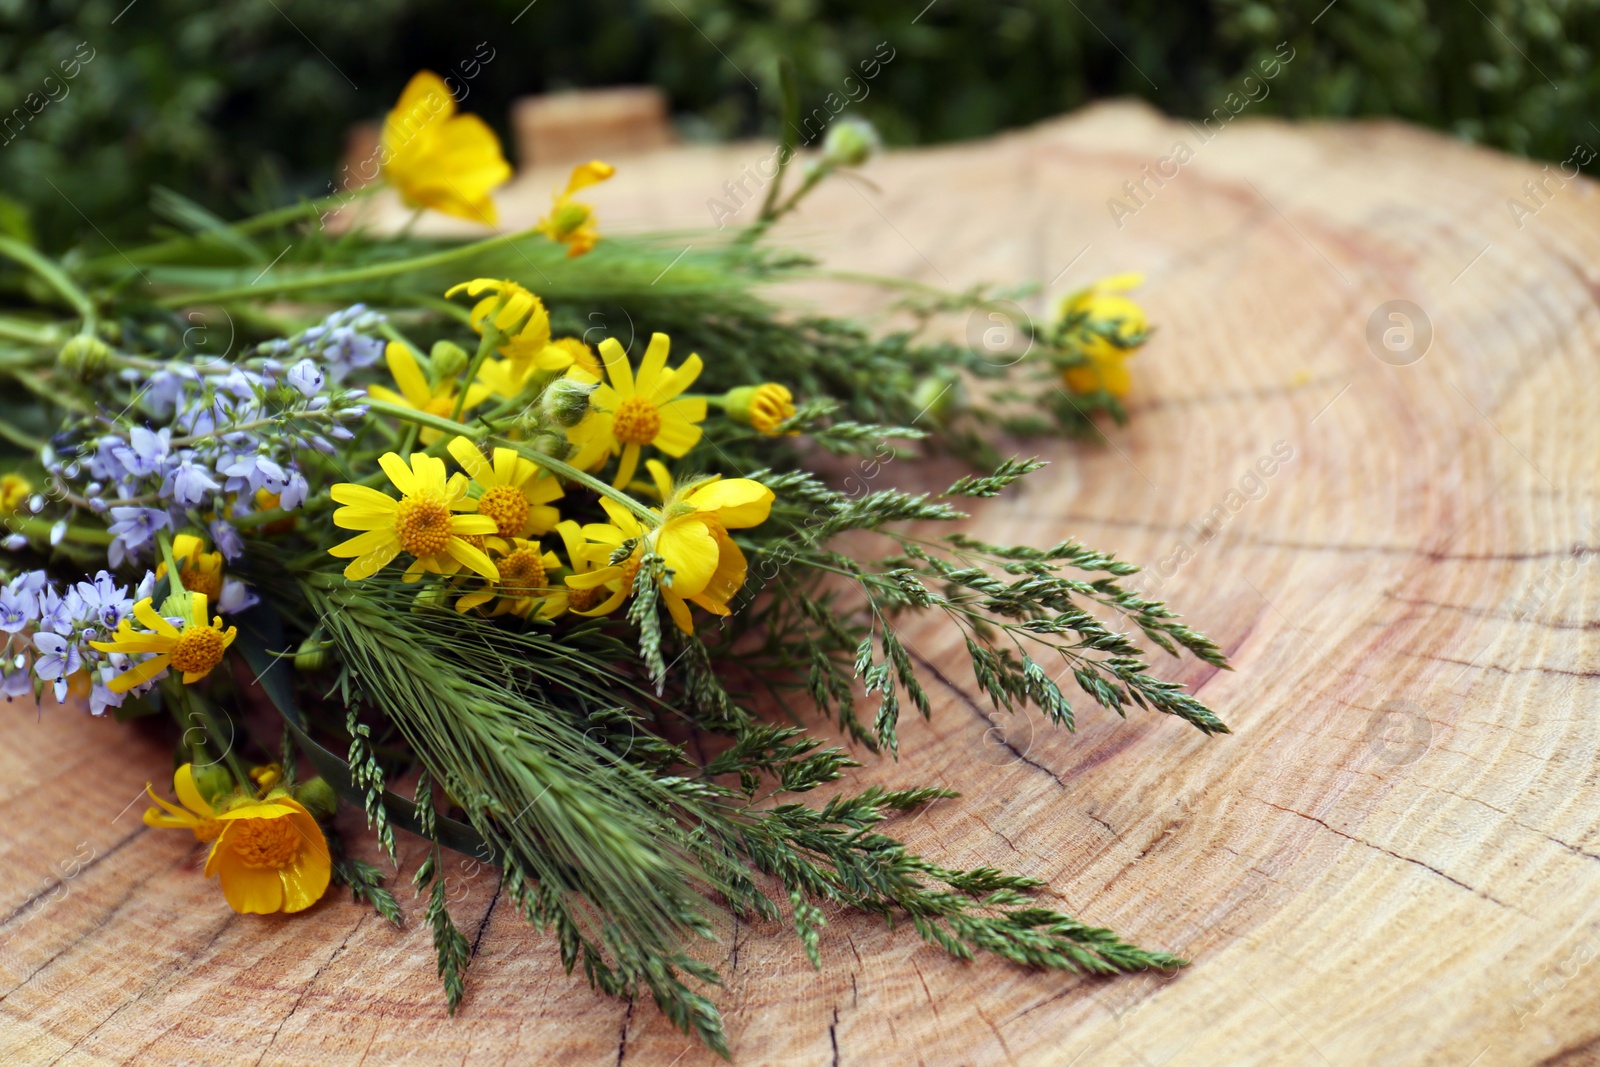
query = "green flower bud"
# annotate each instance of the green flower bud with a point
(312, 655)
(84, 357)
(764, 407)
(554, 445)
(449, 359)
(318, 797)
(850, 143)
(433, 597)
(566, 401)
(212, 780)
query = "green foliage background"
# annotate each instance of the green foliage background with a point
(240, 103)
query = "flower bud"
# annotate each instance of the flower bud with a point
(764, 407)
(212, 780)
(939, 398)
(556, 446)
(318, 797)
(566, 401)
(312, 655)
(267, 776)
(850, 143)
(449, 360)
(84, 357)
(433, 597)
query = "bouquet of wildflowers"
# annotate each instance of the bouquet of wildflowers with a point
(554, 576)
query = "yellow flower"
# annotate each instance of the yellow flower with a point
(14, 489)
(268, 501)
(199, 570)
(194, 649)
(509, 380)
(630, 412)
(1101, 309)
(196, 815)
(421, 522)
(764, 407)
(708, 568)
(584, 559)
(270, 855)
(581, 354)
(524, 584)
(416, 393)
(572, 223)
(516, 491)
(437, 159)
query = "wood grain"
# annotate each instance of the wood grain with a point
(1395, 858)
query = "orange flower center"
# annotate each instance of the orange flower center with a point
(422, 524)
(522, 572)
(636, 422)
(584, 599)
(196, 580)
(630, 570)
(265, 842)
(197, 650)
(508, 508)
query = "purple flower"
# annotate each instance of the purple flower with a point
(227, 539)
(307, 377)
(349, 351)
(189, 482)
(255, 473)
(132, 529)
(18, 608)
(101, 697)
(235, 596)
(59, 661)
(294, 494)
(145, 452)
(17, 683)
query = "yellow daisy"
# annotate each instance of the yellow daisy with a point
(437, 159)
(438, 398)
(1101, 306)
(629, 413)
(193, 649)
(199, 571)
(270, 855)
(516, 491)
(572, 223)
(524, 587)
(584, 558)
(197, 815)
(422, 522)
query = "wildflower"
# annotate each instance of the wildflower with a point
(570, 222)
(194, 649)
(707, 567)
(14, 489)
(850, 143)
(270, 855)
(197, 815)
(416, 393)
(584, 558)
(1109, 328)
(201, 572)
(437, 159)
(583, 356)
(524, 585)
(516, 491)
(764, 407)
(306, 377)
(630, 412)
(420, 523)
(59, 660)
(511, 305)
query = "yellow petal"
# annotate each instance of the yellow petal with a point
(678, 610)
(473, 557)
(362, 496)
(737, 502)
(249, 890)
(680, 379)
(362, 544)
(691, 551)
(188, 792)
(369, 563)
(138, 674)
(617, 369)
(587, 174)
(153, 620)
(407, 374)
(399, 473)
(471, 459)
(654, 362)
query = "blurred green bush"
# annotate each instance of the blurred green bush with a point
(240, 103)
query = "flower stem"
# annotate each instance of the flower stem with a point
(549, 463)
(30, 526)
(57, 278)
(341, 277)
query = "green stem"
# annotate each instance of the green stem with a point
(342, 277)
(549, 463)
(29, 333)
(491, 338)
(57, 278)
(32, 526)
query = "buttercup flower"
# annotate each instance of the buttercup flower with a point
(629, 413)
(1102, 311)
(270, 855)
(437, 159)
(438, 398)
(193, 648)
(423, 522)
(572, 223)
(516, 491)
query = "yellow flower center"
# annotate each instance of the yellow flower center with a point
(197, 650)
(422, 524)
(270, 843)
(636, 422)
(508, 508)
(584, 599)
(630, 571)
(522, 572)
(196, 580)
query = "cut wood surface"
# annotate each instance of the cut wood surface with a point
(1394, 859)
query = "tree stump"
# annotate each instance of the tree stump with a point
(1382, 512)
